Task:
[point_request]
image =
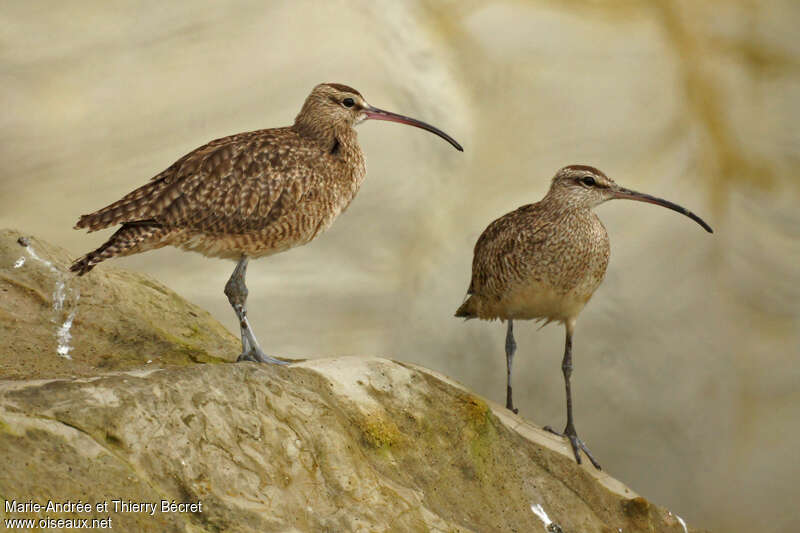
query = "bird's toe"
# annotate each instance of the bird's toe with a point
(260, 357)
(576, 444)
(246, 356)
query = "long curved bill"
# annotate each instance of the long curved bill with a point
(628, 194)
(379, 114)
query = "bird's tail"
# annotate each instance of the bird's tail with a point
(136, 205)
(467, 309)
(128, 239)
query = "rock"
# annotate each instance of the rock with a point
(346, 444)
(109, 319)
(340, 444)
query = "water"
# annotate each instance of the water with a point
(65, 301)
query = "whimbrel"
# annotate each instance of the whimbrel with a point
(544, 261)
(251, 194)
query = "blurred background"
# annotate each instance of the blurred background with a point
(686, 380)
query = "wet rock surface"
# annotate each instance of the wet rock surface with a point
(56, 324)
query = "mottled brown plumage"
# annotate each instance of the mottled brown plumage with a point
(544, 261)
(251, 194)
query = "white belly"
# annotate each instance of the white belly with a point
(538, 301)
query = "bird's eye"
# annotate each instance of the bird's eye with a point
(588, 181)
(348, 102)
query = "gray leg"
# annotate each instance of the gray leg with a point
(236, 291)
(569, 430)
(511, 347)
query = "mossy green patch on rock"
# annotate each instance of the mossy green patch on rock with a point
(476, 410)
(481, 447)
(636, 507)
(379, 432)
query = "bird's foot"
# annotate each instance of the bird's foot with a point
(577, 444)
(257, 355)
(509, 401)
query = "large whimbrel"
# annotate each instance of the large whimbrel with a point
(250, 195)
(545, 260)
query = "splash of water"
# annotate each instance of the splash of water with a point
(539, 511)
(680, 521)
(58, 295)
(65, 300)
(64, 335)
(549, 525)
(683, 523)
(45, 262)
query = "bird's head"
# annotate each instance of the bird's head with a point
(584, 187)
(332, 107)
(581, 187)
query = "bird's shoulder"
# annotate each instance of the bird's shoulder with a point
(523, 226)
(260, 154)
(501, 249)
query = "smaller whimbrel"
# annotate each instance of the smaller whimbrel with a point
(545, 260)
(250, 195)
